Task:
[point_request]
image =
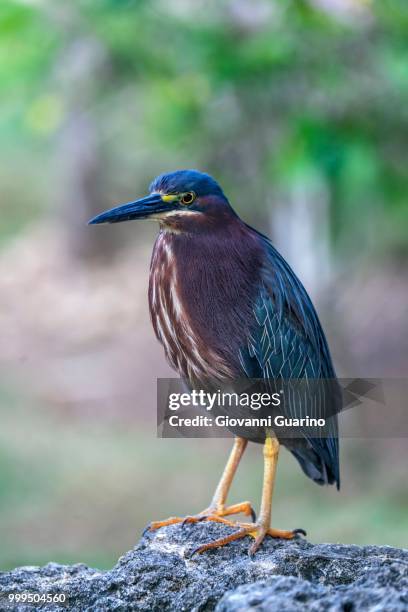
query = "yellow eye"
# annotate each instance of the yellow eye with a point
(187, 198)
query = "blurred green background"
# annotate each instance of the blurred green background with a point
(300, 110)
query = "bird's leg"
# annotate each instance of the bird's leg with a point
(217, 508)
(271, 455)
(262, 527)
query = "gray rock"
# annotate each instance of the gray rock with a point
(286, 576)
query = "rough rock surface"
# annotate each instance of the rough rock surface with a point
(156, 576)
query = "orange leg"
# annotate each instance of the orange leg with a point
(217, 508)
(262, 527)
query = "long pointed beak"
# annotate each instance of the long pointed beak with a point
(140, 209)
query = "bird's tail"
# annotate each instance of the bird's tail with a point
(316, 468)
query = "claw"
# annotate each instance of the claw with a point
(194, 519)
(146, 529)
(190, 552)
(300, 531)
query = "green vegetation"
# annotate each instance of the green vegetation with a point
(300, 113)
(265, 96)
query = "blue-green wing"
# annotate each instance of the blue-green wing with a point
(286, 341)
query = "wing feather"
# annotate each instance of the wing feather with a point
(287, 342)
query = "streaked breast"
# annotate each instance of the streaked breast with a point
(184, 347)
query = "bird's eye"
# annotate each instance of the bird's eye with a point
(187, 198)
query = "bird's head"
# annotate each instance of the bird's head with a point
(182, 200)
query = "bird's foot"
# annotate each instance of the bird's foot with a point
(215, 514)
(258, 531)
(218, 512)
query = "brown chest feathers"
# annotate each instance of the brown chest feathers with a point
(185, 349)
(198, 316)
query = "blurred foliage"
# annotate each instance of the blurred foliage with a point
(271, 97)
(263, 94)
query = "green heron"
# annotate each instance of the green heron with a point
(225, 305)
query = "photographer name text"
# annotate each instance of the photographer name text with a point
(227, 421)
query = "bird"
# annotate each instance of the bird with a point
(225, 305)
